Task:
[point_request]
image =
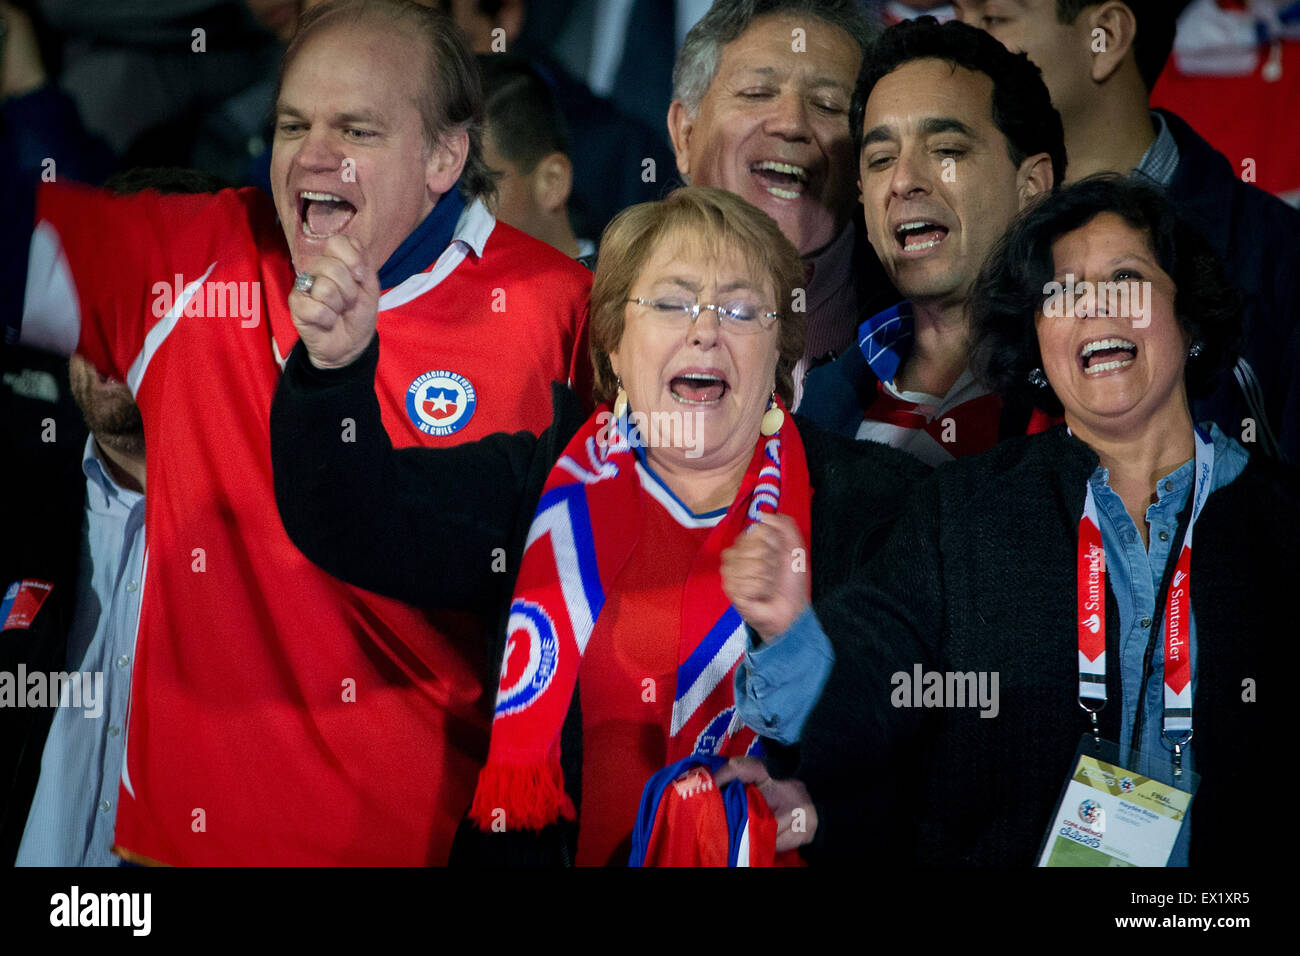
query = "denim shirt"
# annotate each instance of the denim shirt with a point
(1135, 575)
(778, 685)
(74, 808)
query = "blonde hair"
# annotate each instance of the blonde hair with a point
(716, 219)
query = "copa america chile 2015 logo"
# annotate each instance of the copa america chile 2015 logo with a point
(440, 402)
(1089, 811)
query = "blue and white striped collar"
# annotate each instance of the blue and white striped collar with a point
(470, 235)
(426, 241)
(885, 340)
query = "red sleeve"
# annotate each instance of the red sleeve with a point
(581, 376)
(103, 270)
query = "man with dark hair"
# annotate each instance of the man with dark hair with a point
(1100, 59)
(526, 143)
(955, 135)
(277, 715)
(761, 94)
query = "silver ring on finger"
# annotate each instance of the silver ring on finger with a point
(304, 282)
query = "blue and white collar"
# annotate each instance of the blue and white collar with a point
(885, 340)
(473, 227)
(658, 490)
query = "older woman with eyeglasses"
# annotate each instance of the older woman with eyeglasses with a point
(626, 554)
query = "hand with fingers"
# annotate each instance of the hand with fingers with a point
(789, 801)
(765, 575)
(335, 304)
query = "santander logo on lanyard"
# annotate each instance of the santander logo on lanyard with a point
(1091, 616)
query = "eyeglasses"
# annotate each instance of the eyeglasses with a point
(736, 316)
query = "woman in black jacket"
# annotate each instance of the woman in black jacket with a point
(610, 547)
(1048, 589)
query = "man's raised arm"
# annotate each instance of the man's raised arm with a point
(428, 526)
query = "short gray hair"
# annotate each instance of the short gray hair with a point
(697, 60)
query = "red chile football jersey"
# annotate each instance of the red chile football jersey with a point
(279, 716)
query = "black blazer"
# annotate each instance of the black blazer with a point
(979, 575)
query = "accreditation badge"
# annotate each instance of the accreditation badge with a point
(1111, 816)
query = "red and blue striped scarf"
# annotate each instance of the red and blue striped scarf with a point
(586, 526)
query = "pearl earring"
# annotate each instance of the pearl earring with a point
(773, 418)
(620, 400)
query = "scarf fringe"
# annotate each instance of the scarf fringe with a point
(520, 797)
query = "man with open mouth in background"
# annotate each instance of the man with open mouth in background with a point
(761, 94)
(279, 716)
(955, 136)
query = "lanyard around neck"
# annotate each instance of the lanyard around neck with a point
(1091, 617)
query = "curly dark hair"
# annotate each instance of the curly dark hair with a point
(1008, 293)
(1022, 107)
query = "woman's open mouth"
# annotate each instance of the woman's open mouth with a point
(323, 214)
(698, 388)
(1106, 355)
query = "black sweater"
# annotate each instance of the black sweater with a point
(445, 528)
(979, 575)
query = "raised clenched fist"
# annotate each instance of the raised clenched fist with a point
(336, 317)
(765, 574)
